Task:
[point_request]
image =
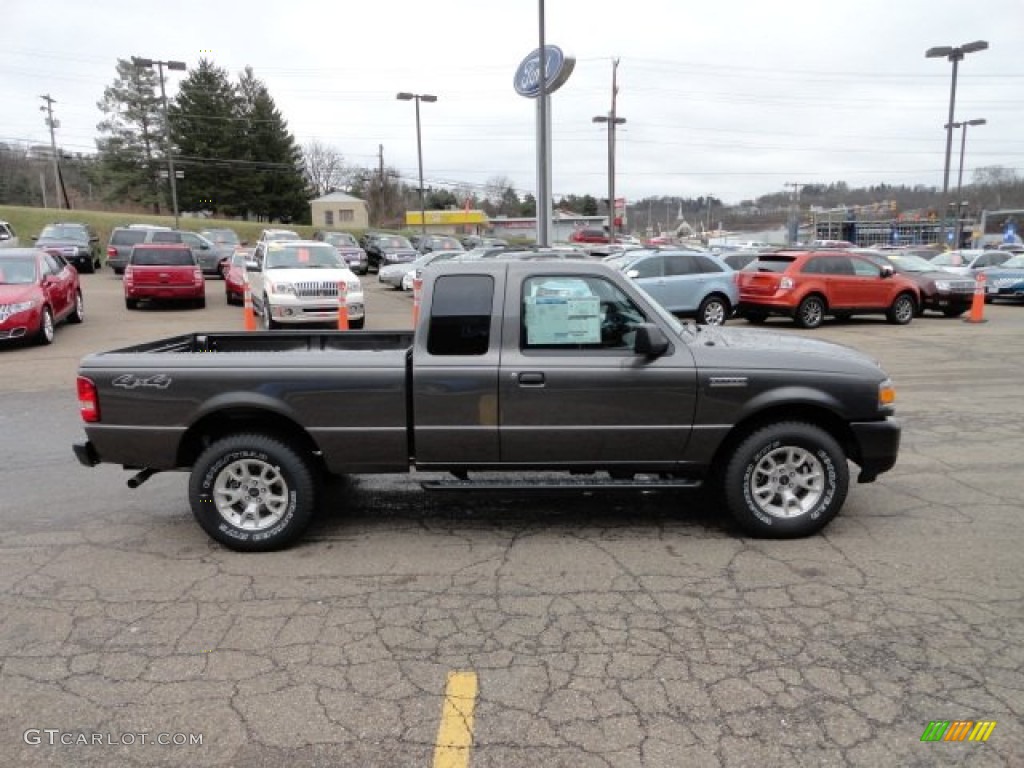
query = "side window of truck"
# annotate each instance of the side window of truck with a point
(581, 313)
(460, 315)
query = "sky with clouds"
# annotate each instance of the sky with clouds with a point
(733, 98)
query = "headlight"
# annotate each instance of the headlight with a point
(25, 306)
(942, 285)
(281, 288)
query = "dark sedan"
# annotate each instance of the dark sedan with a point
(940, 291)
(74, 242)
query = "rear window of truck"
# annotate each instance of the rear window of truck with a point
(460, 315)
(162, 257)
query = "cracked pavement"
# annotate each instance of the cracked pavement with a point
(613, 630)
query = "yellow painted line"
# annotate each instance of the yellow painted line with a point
(455, 734)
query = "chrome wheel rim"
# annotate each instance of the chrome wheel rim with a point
(251, 494)
(266, 315)
(904, 310)
(47, 325)
(714, 313)
(787, 482)
(79, 306)
(811, 313)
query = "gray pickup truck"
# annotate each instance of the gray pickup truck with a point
(517, 370)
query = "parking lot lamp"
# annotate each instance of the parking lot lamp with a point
(960, 176)
(418, 97)
(180, 67)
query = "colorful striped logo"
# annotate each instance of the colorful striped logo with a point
(958, 730)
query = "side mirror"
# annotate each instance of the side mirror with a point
(204, 246)
(34, 237)
(650, 340)
(887, 271)
(633, 273)
(252, 266)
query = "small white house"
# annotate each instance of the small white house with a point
(338, 210)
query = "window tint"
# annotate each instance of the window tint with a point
(460, 315)
(127, 236)
(681, 265)
(651, 267)
(774, 264)
(707, 265)
(52, 267)
(166, 237)
(162, 257)
(581, 313)
(864, 268)
(838, 265)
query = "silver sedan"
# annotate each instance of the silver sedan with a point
(392, 274)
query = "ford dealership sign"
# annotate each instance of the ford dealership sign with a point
(557, 68)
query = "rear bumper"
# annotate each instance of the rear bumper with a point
(86, 454)
(877, 445)
(166, 292)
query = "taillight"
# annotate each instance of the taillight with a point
(786, 283)
(88, 400)
(197, 276)
(111, 252)
(129, 275)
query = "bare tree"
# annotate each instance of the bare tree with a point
(324, 168)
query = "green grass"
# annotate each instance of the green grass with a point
(28, 222)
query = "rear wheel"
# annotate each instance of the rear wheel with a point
(356, 325)
(786, 480)
(78, 313)
(201, 303)
(131, 303)
(902, 310)
(811, 312)
(252, 493)
(714, 310)
(755, 318)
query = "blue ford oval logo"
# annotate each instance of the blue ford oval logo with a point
(557, 68)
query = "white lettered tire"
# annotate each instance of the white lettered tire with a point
(786, 480)
(252, 493)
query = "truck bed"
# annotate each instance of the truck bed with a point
(273, 341)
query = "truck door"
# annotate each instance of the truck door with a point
(455, 376)
(572, 391)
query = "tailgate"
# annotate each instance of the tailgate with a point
(758, 283)
(163, 275)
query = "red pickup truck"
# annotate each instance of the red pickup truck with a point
(163, 272)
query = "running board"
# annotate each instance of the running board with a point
(641, 483)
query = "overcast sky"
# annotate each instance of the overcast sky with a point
(733, 98)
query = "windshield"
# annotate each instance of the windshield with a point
(394, 242)
(59, 232)
(952, 259)
(303, 257)
(1017, 262)
(342, 239)
(17, 271)
(910, 263)
(220, 236)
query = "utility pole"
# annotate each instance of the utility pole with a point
(612, 119)
(380, 164)
(793, 233)
(48, 109)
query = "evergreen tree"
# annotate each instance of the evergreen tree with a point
(206, 131)
(277, 189)
(130, 151)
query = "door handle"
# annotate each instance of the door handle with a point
(531, 379)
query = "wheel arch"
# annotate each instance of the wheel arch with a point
(815, 414)
(242, 419)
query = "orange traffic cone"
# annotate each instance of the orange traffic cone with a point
(978, 302)
(342, 305)
(417, 286)
(248, 314)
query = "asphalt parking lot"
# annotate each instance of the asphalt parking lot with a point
(628, 630)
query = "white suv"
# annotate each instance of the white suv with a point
(296, 281)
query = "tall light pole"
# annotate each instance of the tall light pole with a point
(418, 97)
(955, 55)
(180, 67)
(960, 176)
(612, 119)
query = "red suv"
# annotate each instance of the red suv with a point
(589, 235)
(164, 272)
(808, 285)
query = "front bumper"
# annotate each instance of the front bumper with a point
(284, 310)
(877, 443)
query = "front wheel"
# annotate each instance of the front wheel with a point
(714, 310)
(902, 310)
(45, 335)
(786, 480)
(252, 493)
(78, 311)
(357, 325)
